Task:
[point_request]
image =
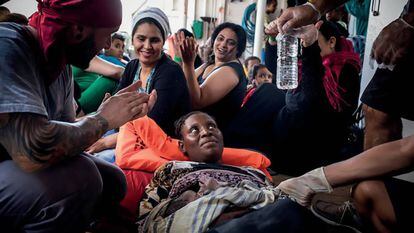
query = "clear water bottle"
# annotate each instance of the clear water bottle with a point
(287, 62)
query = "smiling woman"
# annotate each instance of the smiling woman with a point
(218, 86)
(155, 70)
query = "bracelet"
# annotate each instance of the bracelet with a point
(309, 3)
(177, 59)
(272, 39)
(407, 24)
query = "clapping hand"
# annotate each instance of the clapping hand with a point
(126, 105)
(188, 48)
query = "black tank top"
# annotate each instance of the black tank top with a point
(225, 109)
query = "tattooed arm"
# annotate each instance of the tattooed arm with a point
(34, 142)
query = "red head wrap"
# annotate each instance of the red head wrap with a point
(55, 15)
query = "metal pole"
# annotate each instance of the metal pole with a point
(185, 16)
(258, 34)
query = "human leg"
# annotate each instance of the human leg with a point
(387, 99)
(374, 205)
(282, 216)
(108, 215)
(401, 194)
(372, 208)
(380, 127)
(92, 97)
(60, 198)
(114, 186)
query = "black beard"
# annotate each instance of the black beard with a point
(81, 54)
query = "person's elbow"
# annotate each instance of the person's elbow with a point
(199, 103)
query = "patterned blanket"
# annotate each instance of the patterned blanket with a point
(178, 186)
(198, 215)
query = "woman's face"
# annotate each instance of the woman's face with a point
(202, 141)
(225, 45)
(327, 46)
(148, 43)
(263, 76)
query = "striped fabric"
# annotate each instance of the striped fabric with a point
(199, 214)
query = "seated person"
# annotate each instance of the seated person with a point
(156, 70)
(218, 86)
(259, 74)
(99, 78)
(248, 64)
(283, 125)
(157, 73)
(338, 15)
(115, 53)
(181, 187)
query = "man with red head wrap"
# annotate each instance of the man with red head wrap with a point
(47, 183)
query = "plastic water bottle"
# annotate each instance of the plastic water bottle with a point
(287, 62)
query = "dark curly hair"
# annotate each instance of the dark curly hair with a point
(240, 33)
(180, 122)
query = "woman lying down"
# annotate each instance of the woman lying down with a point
(198, 195)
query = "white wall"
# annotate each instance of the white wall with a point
(25, 7)
(174, 9)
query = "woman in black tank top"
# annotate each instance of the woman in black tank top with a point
(217, 87)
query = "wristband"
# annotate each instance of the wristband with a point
(310, 3)
(272, 39)
(177, 59)
(407, 24)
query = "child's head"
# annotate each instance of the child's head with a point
(200, 139)
(271, 6)
(260, 75)
(250, 62)
(117, 46)
(337, 14)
